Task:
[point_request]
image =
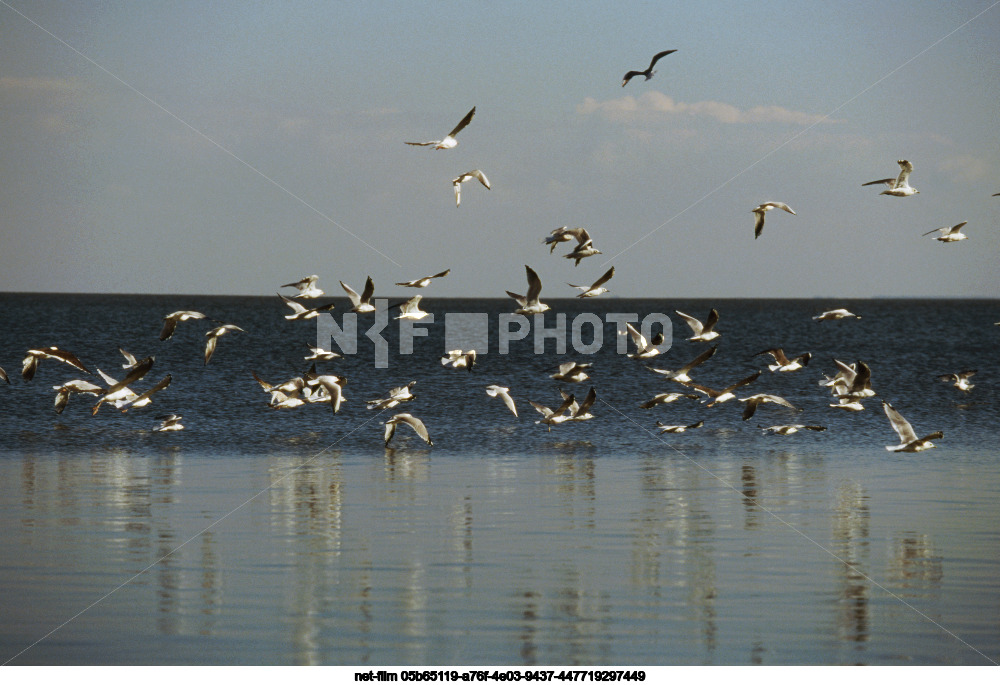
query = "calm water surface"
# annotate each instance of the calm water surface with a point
(261, 537)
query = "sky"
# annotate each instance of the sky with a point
(231, 147)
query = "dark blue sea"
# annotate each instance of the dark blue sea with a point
(263, 536)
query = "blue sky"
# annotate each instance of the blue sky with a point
(227, 148)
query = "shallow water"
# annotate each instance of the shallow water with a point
(259, 537)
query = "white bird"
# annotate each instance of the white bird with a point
(726, 394)
(287, 395)
(702, 332)
(475, 174)
(300, 313)
(168, 423)
(644, 349)
(30, 363)
(571, 372)
(666, 398)
(504, 394)
(118, 392)
(306, 287)
(789, 429)
(563, 234)
(908, 440)
(899, 186)
(584, 248)
(332, 391)
(449, 140)
(214, 335)
(134, 401)
(396, 396)
(649, 70)
(71, 388)
(319, 354)
(130, 360)
(529, 303)
(664, 428)
(782, 363)
(959, 380)
(423, 282)
(361, 303)
(554, 417)
(411, 309)
(580, 412)
(762, 209)
(596, 288)
(681, 374)
(857, 381)
(413, 422)
(457, 359)
(950, 234)
(755, 401)
(835, 315)
(170, 322)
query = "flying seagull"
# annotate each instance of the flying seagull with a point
(214, 335)
(137, 401)
(664, 428)
(554, 417)
(475, 174)
(649, 71)
(319, 354)
(726, 394)
(759, 212)
(361, 303)
(168, 423)
(504, 394)
(584, 247)
(563, 234)
(457, 359)
(681, 374)
(571, 372)
(130, 360)
(666, 398)
(899, 186)
(644, 349)
(581, 412)
(306, 287)
(423, 282)
(303, 313)
(596, 288)
(529, 303)
(755, 401)
(411, 309)
(30, 363)
(73, 387)
(835, 315)
(449, 140)
(411, 421)
(396, 396)
(170, 322)
(908, 440)
(783, 363)
(789, 429)
(950, 234)
(959, 380)
(702, 332)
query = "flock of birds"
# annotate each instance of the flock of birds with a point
(850, 387)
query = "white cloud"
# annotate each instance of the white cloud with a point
(653, 104)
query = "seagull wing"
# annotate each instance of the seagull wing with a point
(296, 307)
(881, 181)
(587, 403)
(355, 298)
(442, 274)
(463, 123)
(628, 76)
(758, 224)
(701, 358)
(534, 285)
(905, 168)
(902, 427)
(638, 338)
(713, 318)
(657, 56)
(746, 381)
(695, 325)
(608, 275)
(369, 290)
